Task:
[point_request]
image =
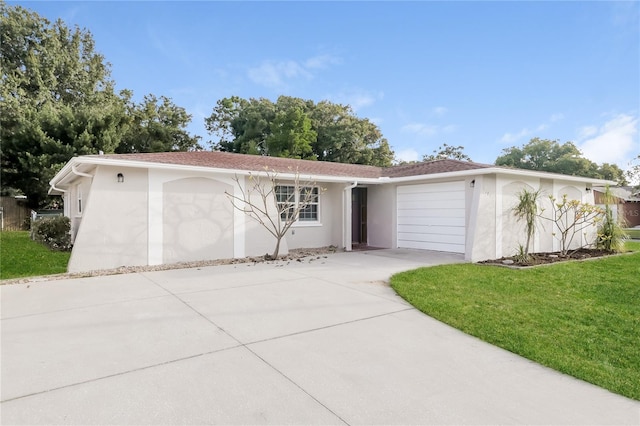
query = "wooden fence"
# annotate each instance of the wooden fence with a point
(14, 214)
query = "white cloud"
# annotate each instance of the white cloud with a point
(321, 61)
(556, 117)
(525, 132)
(615, 141)
(273, 74)
(276, 74)
(427, 130)
(356, 98)
(408, 154)
(586, 131)
(420, 129)
(439, 111)
(513, 137)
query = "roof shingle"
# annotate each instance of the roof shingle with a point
(227, 160)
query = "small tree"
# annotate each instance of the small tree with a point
(276, 210)
(527, 211)
(611, 235)
(569, 218)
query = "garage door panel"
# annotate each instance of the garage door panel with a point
(432, 197)
(421, 205)
(458, 213)
(453, 248)
(428, 238)
(432, 216)
(431, 187)
(430, 229)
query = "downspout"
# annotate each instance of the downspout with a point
(346, 221)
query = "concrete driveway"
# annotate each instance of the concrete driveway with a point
(313, 342)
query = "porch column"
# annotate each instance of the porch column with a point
(346, 220)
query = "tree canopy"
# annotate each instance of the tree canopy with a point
(57, 100)
(156, 125)
(551, 156)
(447, 152)
(297, 128)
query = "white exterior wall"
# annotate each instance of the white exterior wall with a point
(113, 230)
(198, 220)
(381, 216)
(493, 230)
(328, 231)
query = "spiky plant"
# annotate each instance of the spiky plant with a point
(527, 211)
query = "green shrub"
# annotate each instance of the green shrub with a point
(611, 235)
(53, 232)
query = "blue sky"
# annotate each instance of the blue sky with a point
(484, 75)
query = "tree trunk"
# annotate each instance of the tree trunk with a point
(274, 256)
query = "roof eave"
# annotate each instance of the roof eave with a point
(67, 170)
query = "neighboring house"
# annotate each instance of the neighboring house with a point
(626, 200)
(150, 209)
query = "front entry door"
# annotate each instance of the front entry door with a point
(359, 216)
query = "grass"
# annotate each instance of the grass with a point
(21, 257)
(580, 318)
(633, 232)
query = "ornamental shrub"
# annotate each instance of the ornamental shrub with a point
(611, 234)
(54, 232)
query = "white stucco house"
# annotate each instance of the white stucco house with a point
(156, 208)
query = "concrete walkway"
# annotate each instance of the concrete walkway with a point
(312, 342)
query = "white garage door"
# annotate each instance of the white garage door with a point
(432, 216)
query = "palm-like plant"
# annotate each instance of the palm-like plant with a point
(527, 211)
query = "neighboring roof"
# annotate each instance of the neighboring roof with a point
(627, 193)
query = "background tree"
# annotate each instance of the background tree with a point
(156, 125)
(447, 152)
(259, 126)
(633, 174)
(551, 156)
(291, 135)
(57, 100)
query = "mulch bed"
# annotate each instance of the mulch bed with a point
(548, 258)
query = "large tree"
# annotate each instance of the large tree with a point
(156, 125)
(56, 100)
(552, 156)
(298, 128)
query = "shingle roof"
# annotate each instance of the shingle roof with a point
(226, 160)
(432, 167)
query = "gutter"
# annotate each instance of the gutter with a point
(75, 172)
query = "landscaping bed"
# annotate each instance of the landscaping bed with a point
(547, 258)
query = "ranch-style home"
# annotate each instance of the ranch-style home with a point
(156, 208)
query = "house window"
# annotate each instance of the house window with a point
(288, 199)
(79, 192)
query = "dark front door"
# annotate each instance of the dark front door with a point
(359, 216)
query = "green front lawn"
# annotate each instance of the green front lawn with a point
(21, 257)
(580, 318)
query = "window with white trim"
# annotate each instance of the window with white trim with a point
(289, 199)
(79, 193)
